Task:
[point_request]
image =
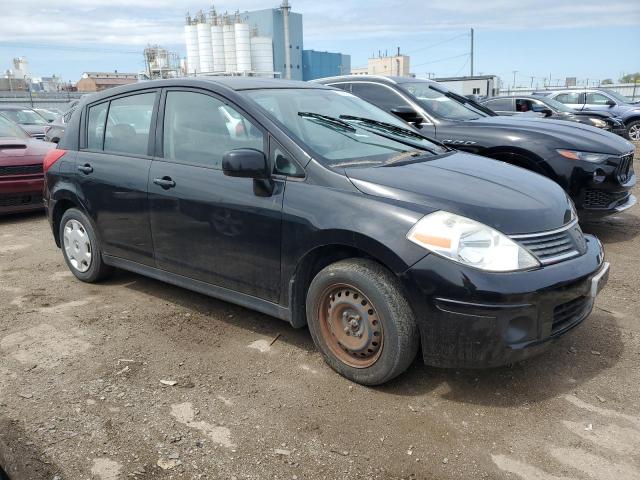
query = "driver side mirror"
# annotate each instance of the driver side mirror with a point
(245, 163)
(547, 112)
(407, 114)
(611, 103)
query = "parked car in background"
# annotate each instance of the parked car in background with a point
(49, 115)
(54, 131)
(544, 107)
(30, 120)
(21, 171)
(326, 212)
(601, 100)
(593, 166)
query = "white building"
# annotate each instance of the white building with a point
(481, 85)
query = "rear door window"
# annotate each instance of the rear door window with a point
(572, 98)
(129, 124)
(95, 126)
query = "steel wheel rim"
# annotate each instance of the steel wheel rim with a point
(77, 245)
(350, 326)
(634, 132)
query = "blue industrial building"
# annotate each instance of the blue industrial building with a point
(324, 64)
(269, 23)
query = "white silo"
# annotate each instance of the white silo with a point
(243, 47)
(217, 42)
(191, 39)
(205, 48)
(262, 56)
(229, 40)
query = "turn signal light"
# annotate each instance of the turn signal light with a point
(52, 157)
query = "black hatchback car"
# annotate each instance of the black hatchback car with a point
(593, 166)
(308, 204)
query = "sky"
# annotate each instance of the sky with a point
(588, 39)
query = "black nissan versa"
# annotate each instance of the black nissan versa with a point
(593, 166)
(318, 208)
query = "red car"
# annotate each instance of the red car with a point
(21, 176)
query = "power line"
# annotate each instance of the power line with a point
(66, 48)
(441, 60)
(438, 43)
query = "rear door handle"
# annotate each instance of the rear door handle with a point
(165, 182)
(86, 168)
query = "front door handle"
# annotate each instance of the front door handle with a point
(86, 168)
(165, 182)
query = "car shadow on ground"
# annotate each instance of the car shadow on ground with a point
(13, 218)
(614, 229)
(582, 354)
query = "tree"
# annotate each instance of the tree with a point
(631, 78)
(607, 81)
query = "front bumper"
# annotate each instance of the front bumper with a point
(20, 194)
(470, 318)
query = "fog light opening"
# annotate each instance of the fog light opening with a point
(599, 176)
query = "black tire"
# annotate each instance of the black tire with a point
(400, 338)
(633, 131)
(97, 270)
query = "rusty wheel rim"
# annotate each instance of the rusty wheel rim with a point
(350, 326)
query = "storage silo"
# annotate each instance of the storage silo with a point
(229, 40)
(204, 47)
(217, 42)
(191, 39)
(262, 56)
(243, 47)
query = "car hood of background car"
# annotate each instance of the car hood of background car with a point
(510, 199)
(571, 135)
(33, 129)
(23, 151)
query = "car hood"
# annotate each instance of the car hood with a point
(575, 136)
(33, 129)
(23, 151)
(510, 199)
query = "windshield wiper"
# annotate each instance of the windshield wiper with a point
(336, 122)
(386, 126)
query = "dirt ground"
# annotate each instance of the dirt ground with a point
(81, 392)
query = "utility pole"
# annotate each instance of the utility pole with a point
(532, 81)
(285, 7)
(472, 52)
(514, 78)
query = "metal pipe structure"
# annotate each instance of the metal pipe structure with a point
(285, 7)
(472, 52)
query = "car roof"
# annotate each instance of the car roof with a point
(380, 78)
(529, 97)
(15, 107)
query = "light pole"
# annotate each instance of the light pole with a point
(29, 87)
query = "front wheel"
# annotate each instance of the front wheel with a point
(633, 131)
(361, 321)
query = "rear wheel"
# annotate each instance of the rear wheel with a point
(633, 130)
(361, 321)
(81, 247)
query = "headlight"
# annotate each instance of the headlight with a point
(598, 123)
(470, 243)
(586, 156)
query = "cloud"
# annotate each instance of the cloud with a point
(135, 23)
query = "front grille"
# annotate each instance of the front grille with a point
(625, 168)
(21, 169)
(594, 198)
(554, 246)
(19, 200)
(569, 313)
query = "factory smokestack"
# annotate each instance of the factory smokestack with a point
(285, 7)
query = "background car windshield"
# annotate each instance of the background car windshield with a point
(440, 105)
(10, 129)
(25, 117)
(341, 143)
(561, 107)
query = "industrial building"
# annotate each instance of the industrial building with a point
(481, 85)
(98, 81)
(160, 63)
(265, 42)
(397, 65)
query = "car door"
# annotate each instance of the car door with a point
(205, 225)
(113, 170)
(598, 102)
(573, 100)
(386, 98)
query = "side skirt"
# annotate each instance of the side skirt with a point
(242, 299)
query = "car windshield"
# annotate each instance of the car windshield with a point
(618, 96)
(25, 116)
(441, 104)
(341, 129)
(556, 105)
(8, 129)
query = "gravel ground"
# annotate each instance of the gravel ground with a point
(82, 393)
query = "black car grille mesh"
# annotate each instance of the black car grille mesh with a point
(594, 198)
(554, 246)
(20, 169)
(569, 313)
(625, 168)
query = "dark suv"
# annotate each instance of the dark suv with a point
(325, 211)
(594, 167)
